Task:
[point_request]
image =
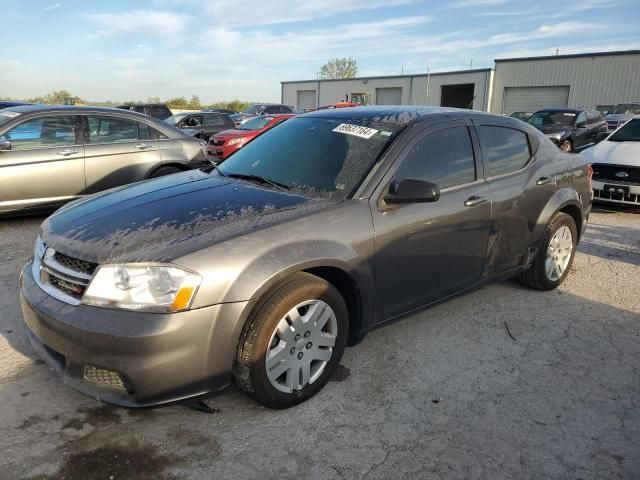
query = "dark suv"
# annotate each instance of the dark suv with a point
(155, 110)
(570, 129)
(264, 268)
(202, 124)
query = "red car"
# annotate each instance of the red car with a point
(223, 144)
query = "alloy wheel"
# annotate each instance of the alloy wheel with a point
(559, 253)
(301, 346)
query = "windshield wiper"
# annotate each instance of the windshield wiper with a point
(258, 178)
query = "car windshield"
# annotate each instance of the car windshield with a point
(253, 109)
(550, 117)
(255, 123)
(627, 109)
(325, 157)
(629, 132)
(175, 119)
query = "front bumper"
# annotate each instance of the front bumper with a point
(128, 358)
(620, 195)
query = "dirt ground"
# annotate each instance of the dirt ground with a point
(502, 383)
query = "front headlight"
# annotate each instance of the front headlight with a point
(555, 136)
(235, 141)
(147, 288)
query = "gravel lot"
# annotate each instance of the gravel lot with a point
(444, 394)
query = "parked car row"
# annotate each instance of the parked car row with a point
(50, 155)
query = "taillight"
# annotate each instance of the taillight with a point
(590, 171)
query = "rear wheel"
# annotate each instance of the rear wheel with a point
(555, 255)
(162, 171)
(293, 343)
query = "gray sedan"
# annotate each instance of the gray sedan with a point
(50, 155)
(262, 269)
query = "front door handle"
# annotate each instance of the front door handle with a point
(143, 146)
(543, 181)
(474, 200)
(67, 152)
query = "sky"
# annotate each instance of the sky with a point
(222, 50)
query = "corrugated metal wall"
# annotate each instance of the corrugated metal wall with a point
(597, 80)
(414, 88)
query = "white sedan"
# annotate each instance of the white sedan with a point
(616, 165)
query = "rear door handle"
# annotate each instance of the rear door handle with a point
(474, 200)
(143, 146)
(543, 181)
(67, 152)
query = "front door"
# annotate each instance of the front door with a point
(118, 151)
(427, 251)
(45, 165)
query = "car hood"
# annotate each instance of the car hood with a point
(553, 128)
(615, 153)
(166, 218)
(617, 117)
(235, 133)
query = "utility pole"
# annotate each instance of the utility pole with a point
(470, 64)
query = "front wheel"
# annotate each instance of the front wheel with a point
(293, 343)
(566, 146)
(555, 255)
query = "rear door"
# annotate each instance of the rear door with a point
(45, 164)
(118, 150)
(427, 251)
(521, 180)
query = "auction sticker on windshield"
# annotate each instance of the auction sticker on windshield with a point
(355, 130)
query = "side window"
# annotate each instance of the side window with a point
(144, 132)
(54, 131)
(213, 120)
(194, 121)
(582, 117)
(112, 130)
(159, 111)
(444, 158)
(269, 110)
(505, 149)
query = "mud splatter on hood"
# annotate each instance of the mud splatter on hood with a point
(164, 219)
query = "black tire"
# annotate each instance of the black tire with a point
(566, 146)
(162, 171)
(250, 369)
(536, 276)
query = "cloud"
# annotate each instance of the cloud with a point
(546, 31)
(261, 12)
(52, 7)
(139, 21)
(477, 3)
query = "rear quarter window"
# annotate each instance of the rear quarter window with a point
(505, 149)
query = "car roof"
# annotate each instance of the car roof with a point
(401, 115)
(65, 108)
(565, 110)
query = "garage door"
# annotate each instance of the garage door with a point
(389, 96)
(306, 99)
(532, 99)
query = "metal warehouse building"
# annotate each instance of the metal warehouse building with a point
(592, 80)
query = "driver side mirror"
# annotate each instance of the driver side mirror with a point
(5, 145)
(412, 191)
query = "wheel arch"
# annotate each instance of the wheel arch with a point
(565, 200)
(179, 165)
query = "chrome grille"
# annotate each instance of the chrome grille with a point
(626, 174)
(75, 263)
(63, 277)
